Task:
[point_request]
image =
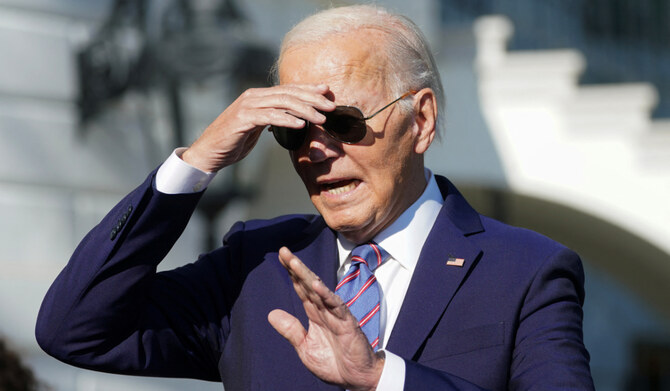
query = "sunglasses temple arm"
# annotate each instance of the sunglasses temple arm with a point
(403, 96)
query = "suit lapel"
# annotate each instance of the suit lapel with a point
(434, 283)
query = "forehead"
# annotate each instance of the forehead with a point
(341, 61)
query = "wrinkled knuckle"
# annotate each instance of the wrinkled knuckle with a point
(283, 99)
(249, 92)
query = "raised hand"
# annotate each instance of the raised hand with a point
(234, 133)
(333, 348)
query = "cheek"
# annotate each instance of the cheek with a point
(388, 165)
(299, 169)
(393, 171)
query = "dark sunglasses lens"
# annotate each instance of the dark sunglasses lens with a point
(346, 124)
(289, 138)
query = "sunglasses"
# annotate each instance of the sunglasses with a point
(345, 124)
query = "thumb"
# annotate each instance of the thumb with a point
(288, 326)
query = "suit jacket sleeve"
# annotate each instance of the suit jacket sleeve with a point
(109, 310)
(549, 352)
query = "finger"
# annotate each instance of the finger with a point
(288, 104)
(329, 298)
(299, 272)
(310, 88)
(314, 294)
(319, 100)
(288, 327)
(312, 95)
(282, 117)
(295, 266)
(301, 275)
(307, 279)
(303, 281)
(315, 92)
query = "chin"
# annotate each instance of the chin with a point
(349, 221)
(352, 229)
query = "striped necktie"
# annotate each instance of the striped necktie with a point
(360, 291)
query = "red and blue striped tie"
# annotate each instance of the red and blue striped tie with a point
(360, 291)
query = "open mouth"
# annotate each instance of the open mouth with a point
(340, 187)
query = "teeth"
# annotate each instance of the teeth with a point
(342, 189)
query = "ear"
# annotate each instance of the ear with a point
(425, 119)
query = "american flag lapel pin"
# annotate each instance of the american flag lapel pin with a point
(453, 261)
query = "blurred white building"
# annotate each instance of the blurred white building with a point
(528, 144)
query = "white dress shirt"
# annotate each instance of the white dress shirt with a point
(403, 240)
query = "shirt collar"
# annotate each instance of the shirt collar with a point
(413, 227)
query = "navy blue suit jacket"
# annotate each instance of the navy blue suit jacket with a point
(509, 318)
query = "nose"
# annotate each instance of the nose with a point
(318, 146)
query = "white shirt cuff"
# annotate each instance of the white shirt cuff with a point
(175, 176)
(393, 374)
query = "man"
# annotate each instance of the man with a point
(462, 301)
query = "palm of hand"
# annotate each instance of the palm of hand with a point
(333, 348)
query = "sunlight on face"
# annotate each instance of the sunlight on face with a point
(359, 189)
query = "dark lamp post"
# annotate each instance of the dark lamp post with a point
(197, 54)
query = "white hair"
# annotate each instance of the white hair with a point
(410, 62)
